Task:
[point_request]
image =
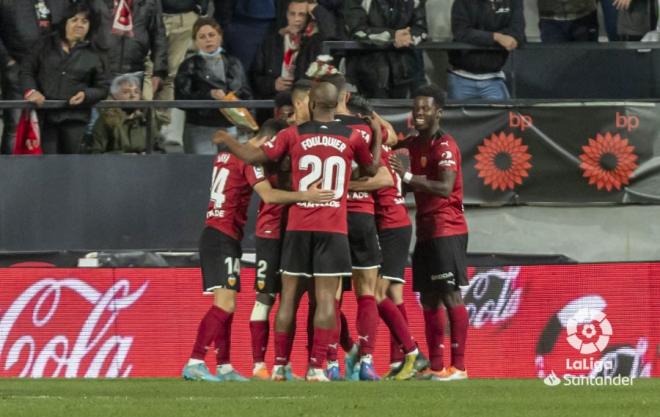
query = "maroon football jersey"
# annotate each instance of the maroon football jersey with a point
(320, 151)
(231, 188)
(391, 211)
(269, 217)
(437, 216)
(358, 202)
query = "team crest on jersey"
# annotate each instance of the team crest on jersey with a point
(261, 284)
(231, 281)
(423, 161)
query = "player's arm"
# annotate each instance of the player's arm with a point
(382, 179)
(371, 169)
(248, 153)
(441, 187)
(272, 195)
(390, 137)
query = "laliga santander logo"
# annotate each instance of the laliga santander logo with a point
(589, 331)
(95, 336)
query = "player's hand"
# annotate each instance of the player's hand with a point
(397, 165)
(77, 99)
(373, 122)
(316, 194)
(221, 136)
(36, 97)
(507, 42)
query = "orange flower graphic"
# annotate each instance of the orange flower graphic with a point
(608, 161)
(503, 161)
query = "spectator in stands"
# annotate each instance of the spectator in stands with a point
(22, 23)
(208, 75)
(568, 20)
(335, 7)
(402, 24)
(283, 106)
(286, 53)
(478, 73)
(610, 17)
(65, 66)
(246, 23)
(125, 130)
(130, 34)
(636, 18)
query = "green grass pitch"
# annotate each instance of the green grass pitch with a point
(474, 398)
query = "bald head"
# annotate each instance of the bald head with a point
(323, 97)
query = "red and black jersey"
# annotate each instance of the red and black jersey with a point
(390, 205)
(231, 188)
(437, 216)
(269, 216)
(323, 152)
(358, 202)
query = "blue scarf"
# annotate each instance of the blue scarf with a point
(213, 54)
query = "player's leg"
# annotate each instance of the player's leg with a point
(219, 255)
(225, 299)
(267, 284)
(325, 288)
(285, 325)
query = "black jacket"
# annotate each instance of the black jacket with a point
(127, 54)
(59, 76)
(200, 7)
(377, 25)
(267, 66)
(474, 22)
(194, 82)
(19, 28)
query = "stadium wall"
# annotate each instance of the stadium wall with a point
(524, 321)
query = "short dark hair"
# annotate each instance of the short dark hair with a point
(283, 98)
(271, 126)
(432, 90)
(302, 86)
(338, 80)
(359, 104)
(72, 9)
(205, 21)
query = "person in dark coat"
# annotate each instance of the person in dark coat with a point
(22, 23)
(208, 75)
(66, 67)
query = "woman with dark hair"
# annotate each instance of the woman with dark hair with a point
(210, 74)
(65, 66)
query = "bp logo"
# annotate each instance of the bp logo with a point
(589, 331)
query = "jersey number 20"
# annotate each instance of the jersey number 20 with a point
(332, 172)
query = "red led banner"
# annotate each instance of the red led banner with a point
(527, 321)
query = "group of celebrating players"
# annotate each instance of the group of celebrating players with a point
(333, 215)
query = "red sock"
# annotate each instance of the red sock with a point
(397, 324)
(282, 351)
(322, 338)
(345, 339)
(396, 354)
(212, 322)
(259, 335)
(333, 347)
(310, 328)
(434, 325)
(289, 343)
(459, 320)
(223, 342)
(367, 323)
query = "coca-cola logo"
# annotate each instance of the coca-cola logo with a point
(492, 296)
(55, 300)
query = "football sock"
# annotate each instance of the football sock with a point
(459, 320)
(397, 324)
(223, 342)
(367, 323)
(434, 320)
(212, 323)
(259, 331)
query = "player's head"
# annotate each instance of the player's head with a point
(268, 129)
(427, 108)
(323, 99)
(300, 100)
(339, 81)
(283, 106)
(359, 105)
